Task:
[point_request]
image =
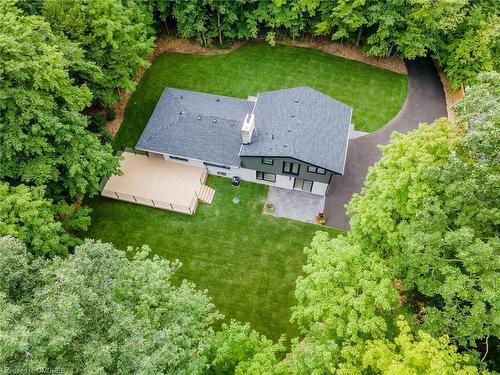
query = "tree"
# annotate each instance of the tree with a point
(99, 312)
(346, 298)
(236, 349)
(343, 19)
(43, 137)
(115, 35)
(46, 229)
(473, 47)
(409, 355)
(430, 207)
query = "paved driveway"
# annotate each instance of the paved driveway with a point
(425, 103)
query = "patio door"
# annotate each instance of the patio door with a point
(301, 184)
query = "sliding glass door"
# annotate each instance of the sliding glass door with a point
(301, 184)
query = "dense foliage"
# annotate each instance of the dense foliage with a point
(462, 35)
(114, 35)
(43, 137)
(45, 228)
(430, 208)
(98, 312)
(424, 242)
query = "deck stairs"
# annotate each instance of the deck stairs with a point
(205, 194)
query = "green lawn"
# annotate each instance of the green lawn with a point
(375, 94)
(248, 261)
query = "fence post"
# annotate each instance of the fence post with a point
(133, 196)
(171, 207)
(117, 195)
(152, 201)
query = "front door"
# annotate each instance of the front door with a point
(301, 184)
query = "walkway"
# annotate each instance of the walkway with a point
(425, 103)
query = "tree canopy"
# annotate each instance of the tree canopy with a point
(98, 312)
(114, 35)
(45, 228)
(43, 138)
(462, 35)
(430, 208)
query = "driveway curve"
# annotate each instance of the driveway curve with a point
(425, 102)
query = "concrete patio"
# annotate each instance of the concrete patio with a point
(295, 204)
(151, 180)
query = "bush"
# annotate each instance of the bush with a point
(106, 136)
(110, 114)
(97, 123)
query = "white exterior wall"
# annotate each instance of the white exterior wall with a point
(245, 174)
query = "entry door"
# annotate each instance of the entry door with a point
(301, 184)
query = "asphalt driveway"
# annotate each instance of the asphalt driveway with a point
(425, 103)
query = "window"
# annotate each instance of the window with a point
(300, 184)
(178, 158)
(291, 168)
(266, 176)
(216, 165)
(219, 173)
(317, 170)
(267, 161)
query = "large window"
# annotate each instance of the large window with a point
(266, 176)
(317, 170)
(267, 161)
(301, 184)
(291, 168)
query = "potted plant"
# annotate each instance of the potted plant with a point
(269, 207)
(321, 218)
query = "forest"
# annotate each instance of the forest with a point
(412, 288)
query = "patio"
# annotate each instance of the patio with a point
(295, 204)
(150, 180)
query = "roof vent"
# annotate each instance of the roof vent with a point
(180, 113)
(217, 100)
(272, 136)
(289, 130)
(293, 115)
(181, 97)
(285, 146)
(296, 100)
(199, 117)
(248, 128)
(214, 120)
(232, 124)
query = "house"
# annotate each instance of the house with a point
(293, 138)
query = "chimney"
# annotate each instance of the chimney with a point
(248, 128)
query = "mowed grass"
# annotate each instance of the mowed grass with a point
(247, 261)
(375, 94)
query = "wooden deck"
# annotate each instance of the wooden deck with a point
(153, 181)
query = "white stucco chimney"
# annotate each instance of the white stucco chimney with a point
(247, 128)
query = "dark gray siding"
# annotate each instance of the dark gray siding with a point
(255, 163)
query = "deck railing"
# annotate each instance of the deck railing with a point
(190, 209)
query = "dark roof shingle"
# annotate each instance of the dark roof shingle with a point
(301, 123)
(196, 125)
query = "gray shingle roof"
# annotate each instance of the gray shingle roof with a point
(196, 125)
(301, 123)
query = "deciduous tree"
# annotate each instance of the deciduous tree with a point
(43, 137)
(98, 312)
(46, 229)
(115, 35)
